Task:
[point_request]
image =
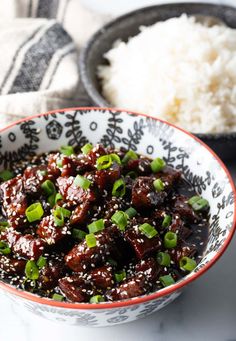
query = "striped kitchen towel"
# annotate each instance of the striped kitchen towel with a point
(39, 58)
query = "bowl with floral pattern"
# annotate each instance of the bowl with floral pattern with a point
(150, 137)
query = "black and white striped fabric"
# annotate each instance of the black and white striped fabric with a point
(39, 59)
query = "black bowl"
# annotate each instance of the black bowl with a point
(127, 26)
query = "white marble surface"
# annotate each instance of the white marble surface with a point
(205, 311)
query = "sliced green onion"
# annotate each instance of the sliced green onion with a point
(67, 150)
(51, 199)
(166, 280)
(87, 148)
(34, 212)
(78, 234)
(118, 189)
(48, 187)
(120, 219)
(31, 270)
(59, 163)
(112, 262)
(157, 165)
(163, 258)
(120, 276)
(96, 299)
(96, 226)
(133, 175)
(59, 214)
(91, 240)
(42, 172)
(187, 264)
(3, 225)
(41, 262)
(159, 185)
(4, 248)
(115, 158)
(6, 175)
(81, 181)
(131, 212)
(130, 155)
(58, 297)
(58, 197)
(148, 230)
(166, 221)
(170, 240)
(104, 162)
(198, 203)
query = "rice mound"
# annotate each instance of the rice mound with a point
(178, 70)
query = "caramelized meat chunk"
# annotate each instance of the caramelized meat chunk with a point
(169, 176)
(49, 232)
(81, 213)
(102, 277)
(132, 287)
(75, 288)
(144, 194)
(183, 250)
(12, 266)
(149, 267)
(82, 258)
(177, 226)
(52, 167)
(142, 245)
(50, 274)
(14, 202)
(33, 178)
(183, 209)
(104, 179)
(140, 166)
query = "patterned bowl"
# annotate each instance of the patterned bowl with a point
(148, 136)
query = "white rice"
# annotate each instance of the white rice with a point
(178, 70)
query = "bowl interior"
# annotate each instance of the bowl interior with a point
(145, 135)
(127, 26)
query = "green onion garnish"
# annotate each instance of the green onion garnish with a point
(51, 199)
(96, 226)
(131, 212)
(81, 181)
(163, 258)
(59, 214)
(159, 185)
(48, 187)
(91, 240)
(133, 175)
(58, 197)
(41, 262)
(3, 225)
(6, 175)
(87, 148)
(67, 150)
(31, 270)
(34, 212)
(187, 264)
(120, 219)
(120, 276)
(157, 165)
(118, 189)
(59, 163)
(198, 203)
(166, 221)
(58, 297)
(96, 299)
(170, 240)
(104, 162)
(130, 155)
(148, 230)
(112, 262)
(4, 248)
(166, 280)
(78, 234)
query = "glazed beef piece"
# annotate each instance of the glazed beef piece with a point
(135, 286)
(73, 194)
(82, 258)
(12, 266)
(14, 201)
(104, 179)
(183, 250)
(177, 226)
(142, 245)
(144, 194)
(169, 176)
(149, 267)
(50, 274)
(183, 209)
(49, 232)
(25, 246)
(33, 178)
(139, 166)
(81, 213)
(76, 288)
(101, 277)
(52, 167)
